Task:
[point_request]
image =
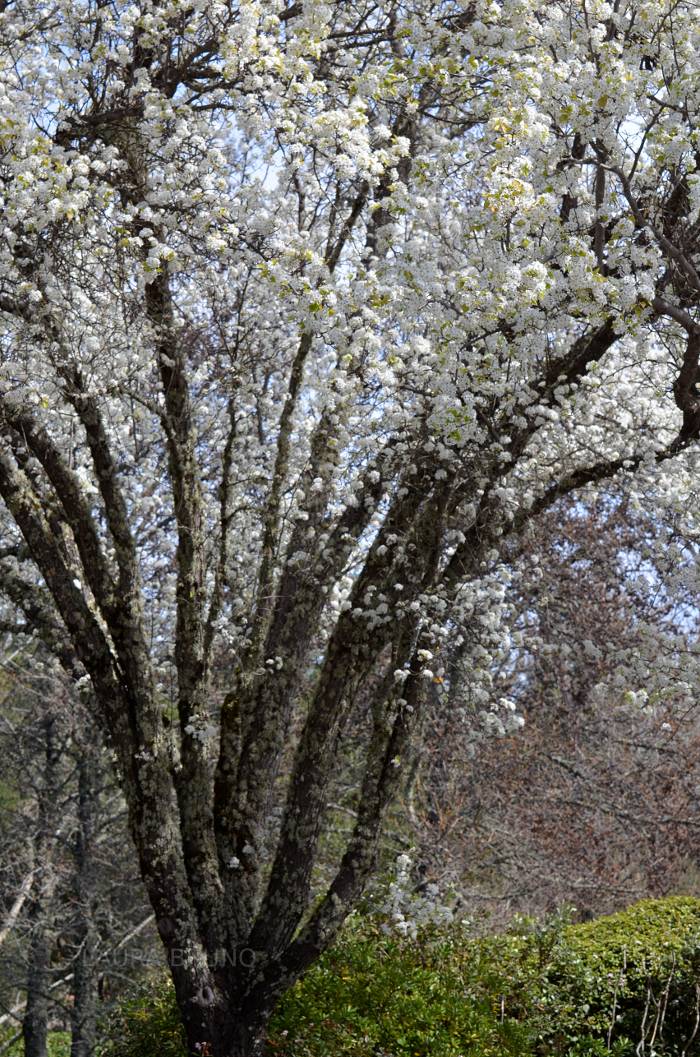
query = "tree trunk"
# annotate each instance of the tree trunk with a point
(244, 1037)
(36, 1015)
(84, 1012)
(225, 1028)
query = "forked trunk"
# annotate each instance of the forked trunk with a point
(225, 1028)
(242, 1036)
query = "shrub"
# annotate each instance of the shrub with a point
(384, 995)
(145, 1023)
(554, 989)
(57, 1044)
(634, 974)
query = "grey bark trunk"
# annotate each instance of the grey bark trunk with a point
(36, 1015)
(226, 1026)
(234, 1034)
(84, 1012)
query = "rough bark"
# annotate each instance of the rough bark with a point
(36, 1014)
(84, 1011)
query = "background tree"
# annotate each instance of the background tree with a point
(71, 908)
(594, 802)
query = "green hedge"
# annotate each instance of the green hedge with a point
(633, 974)
(374, 994)
(558, 989)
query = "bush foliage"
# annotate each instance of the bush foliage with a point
(559, 989)
(11, 1044)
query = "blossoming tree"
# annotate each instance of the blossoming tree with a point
(305, 308)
